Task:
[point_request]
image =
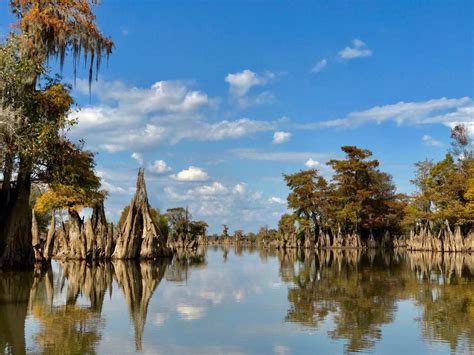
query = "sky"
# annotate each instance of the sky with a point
(218, 99)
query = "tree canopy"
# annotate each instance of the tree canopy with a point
(358, 198)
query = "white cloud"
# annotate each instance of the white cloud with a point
(430, 141)
(192, 173)
(218, 203)
(256, 100)
(215, 189)
(142, 119)
(162, 96)
(107, 185)
(277, 200)
(240, 189)
(448, 112)
(240, 83)
(359, 49)
(159, 167)
(285, 156)
(224, 130)
(138, 157)
(310, 163)
(319, 66)
(280, 137)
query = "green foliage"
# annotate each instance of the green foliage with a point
(178, 219)
(198, 228)
(33, 136)
(360, 198)
(445, 188)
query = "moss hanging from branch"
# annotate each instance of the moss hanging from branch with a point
(51, 28)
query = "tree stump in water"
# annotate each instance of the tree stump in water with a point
(35, 238)
(50, 238)
(139, 237)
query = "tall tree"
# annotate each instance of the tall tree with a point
(365, 197)
(34, 108)
(445, 188)
(311, 197)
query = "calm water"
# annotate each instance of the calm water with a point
(245, 302)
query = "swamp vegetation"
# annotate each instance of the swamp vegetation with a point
(45, 175)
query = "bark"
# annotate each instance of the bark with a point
(16, 250)
(103, 235)
(447, 240)
(35, 239)
(139, 237)
(77, 239)
(50, 238)
(89, 240)
(5, 190)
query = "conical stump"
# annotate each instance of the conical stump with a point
(139, 237)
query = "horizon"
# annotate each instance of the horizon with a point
(241, 97)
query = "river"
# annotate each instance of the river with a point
(244, 301)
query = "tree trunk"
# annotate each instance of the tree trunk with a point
(5, 189)
(50, 239)
(139, 237)
(16, 249)
(36, 240)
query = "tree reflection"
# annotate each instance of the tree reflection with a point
(446, 296)
(138, 282)
(15, 290)
(182, 261)
(359, 293)
(71, 325)
(68, 304)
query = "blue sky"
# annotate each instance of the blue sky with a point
(216, 99)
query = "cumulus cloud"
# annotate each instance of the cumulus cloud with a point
(159, 167)
(277, 200)
(240, 189)
(107, 185)
(233, 204)
(137, 157)
(280, 137)
(357, 50)
(241, 83)
(430, 141)
(319, 66)
(141, 119)
(192, 173)
(215, 189)
(225, 129)
(162, 96)
(310, 163)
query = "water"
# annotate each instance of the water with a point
(245, 302)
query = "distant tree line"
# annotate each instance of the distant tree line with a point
(360, 198)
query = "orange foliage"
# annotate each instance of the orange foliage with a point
(51, 27)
